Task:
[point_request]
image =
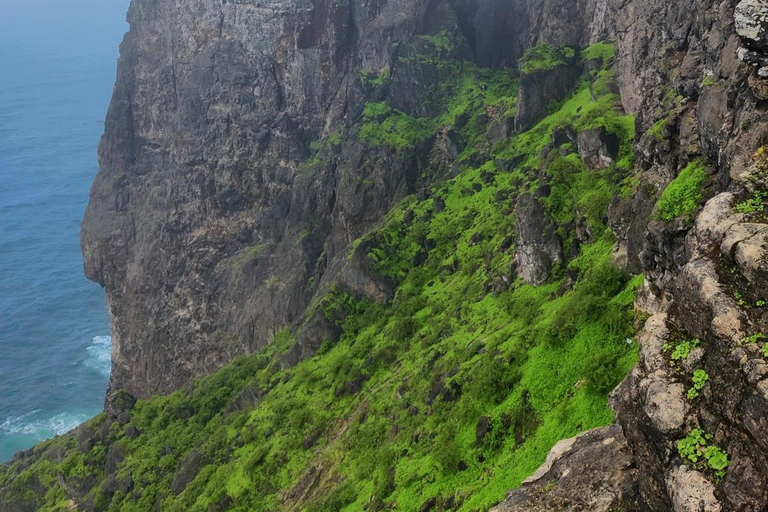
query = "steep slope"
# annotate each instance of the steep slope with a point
(444, 396)
(425, 231)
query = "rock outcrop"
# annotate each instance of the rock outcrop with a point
(593, 471)
(539, 246)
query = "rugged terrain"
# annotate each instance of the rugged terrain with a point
(423, 242)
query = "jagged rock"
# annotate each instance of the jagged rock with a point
(482, 429)
(539, 246)
(751, 19)
(539, 89)
(598, 148)
(592, 472)
(692, 492)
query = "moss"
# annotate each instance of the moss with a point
(603, 51)
(384, 125)
(544, 57)
(682, 196)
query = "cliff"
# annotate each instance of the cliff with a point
(423, 224)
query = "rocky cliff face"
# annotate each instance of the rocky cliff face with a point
(241, 160)
(231, 180)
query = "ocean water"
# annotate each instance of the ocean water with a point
(57, 69)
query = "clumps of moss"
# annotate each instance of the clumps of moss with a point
(682, 196)
(544, 57)
(387, 126)
(372, 79)
(603, 51)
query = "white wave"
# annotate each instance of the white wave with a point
(42, 428)
(100, 354)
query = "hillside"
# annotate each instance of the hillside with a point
(373, 255)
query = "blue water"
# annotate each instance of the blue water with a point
(57, 68)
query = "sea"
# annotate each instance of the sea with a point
(57, 70)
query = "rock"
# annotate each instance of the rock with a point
(591, 472)
(751, 20)
(482, 429)
(692, 492)
(428, 505)
(539, 89)
(598, 148)
(539, 246)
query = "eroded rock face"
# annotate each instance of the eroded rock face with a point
(206, 226)
(539, 247)
(592, 471)
(751, 18)
(539, 89)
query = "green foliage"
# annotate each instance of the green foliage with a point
(754, 204)
(696, 450)
(682, 196)
(681, 350)
(544, 57)
(603, 51)
(373, 79)
(384, 125)
(700, 378)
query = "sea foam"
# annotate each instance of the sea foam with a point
(100, 354)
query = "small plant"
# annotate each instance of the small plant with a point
(700, 378)
(753, 339)
(760, 158)
(755, 204)
(682, 350)
(695, 449)
(760, 303)
(739, 298)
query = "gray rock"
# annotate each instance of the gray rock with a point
(592, 471)
(539, 246)
(751, 20)
(598, 148)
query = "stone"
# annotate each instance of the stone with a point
(751, 20)
(598, 148)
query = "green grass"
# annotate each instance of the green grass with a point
(682, 196)
(545, 56)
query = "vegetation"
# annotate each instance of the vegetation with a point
(387, 415)
(681, 350)
(545, 56)
(696, 450)
(700, 378)
(682, 196)
(754, 204)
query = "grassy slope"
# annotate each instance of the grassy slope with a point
(537, 364)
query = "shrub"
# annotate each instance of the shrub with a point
(682, 196)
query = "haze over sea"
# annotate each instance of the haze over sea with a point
(57, 68)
